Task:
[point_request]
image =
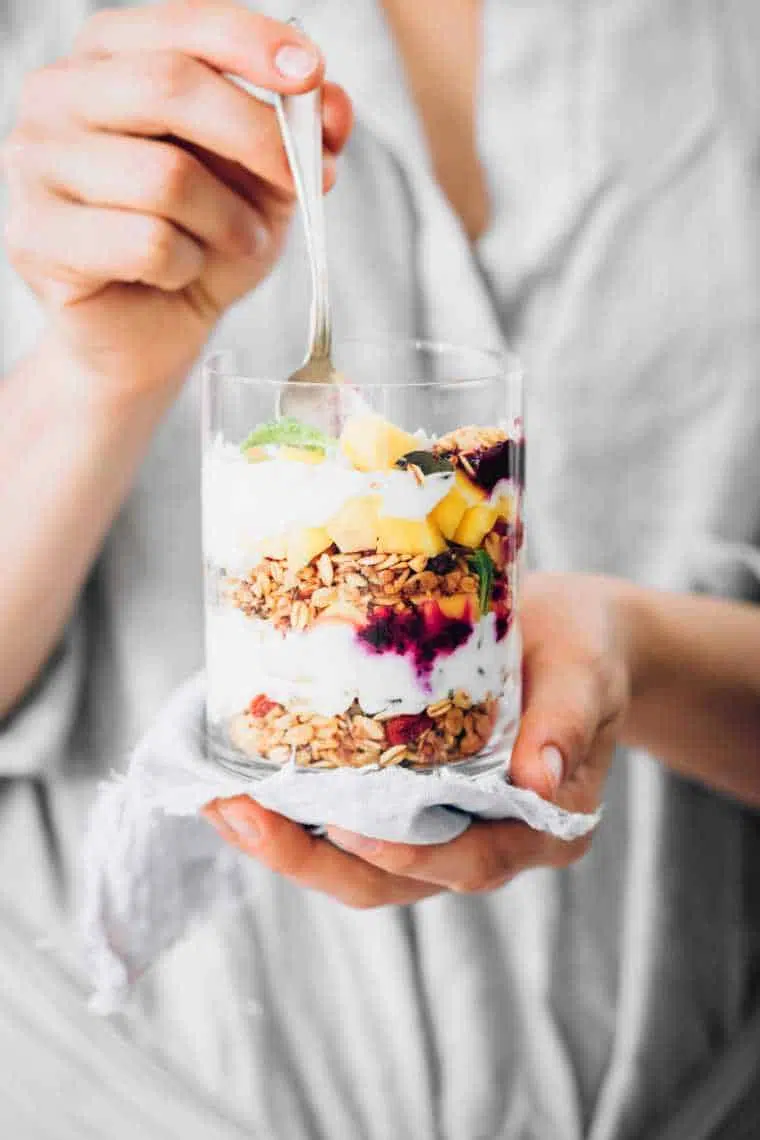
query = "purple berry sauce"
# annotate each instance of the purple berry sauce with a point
(504, 460)
(424, 634)
(503, 622)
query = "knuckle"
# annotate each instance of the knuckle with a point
(404, 861)
(17, 236)
(94, 27)
(577, 729)
(480, 875)
(13, 151)
(13, 240)
(35, 90)
(172, 177)
(155, 249)
(166, 76)
(236, 232)
(361, 899)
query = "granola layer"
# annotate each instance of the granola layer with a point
(447, 731)
(353, 585)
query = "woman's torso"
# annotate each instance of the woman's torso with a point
(620, 259)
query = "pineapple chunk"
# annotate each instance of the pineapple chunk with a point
(304, 544)
(448, 514)
(372, 443)
(410, 536)
(355, 526)
(472, 494)
(475, 525)
(459, 607)
(302, 454)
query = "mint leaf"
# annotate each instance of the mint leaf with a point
(481, 564)
(287, 432)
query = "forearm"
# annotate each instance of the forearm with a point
(67, 458)
(695, 699)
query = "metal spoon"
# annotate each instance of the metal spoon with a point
(300, 120)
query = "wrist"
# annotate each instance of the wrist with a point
(96, 398)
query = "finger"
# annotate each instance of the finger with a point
(485, 857)
(337, 117)
(82, 244)
(149, 177)
(165, 93)
(289, 850)
(563, 713)
(228, 37)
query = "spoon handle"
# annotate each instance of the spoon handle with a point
(300, 120)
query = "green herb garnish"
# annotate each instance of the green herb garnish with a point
(481, 564)
(287, 432)
(426, 462)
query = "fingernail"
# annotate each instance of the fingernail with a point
(350, 841)
(239, 824)
(296, 62)
(554, 764)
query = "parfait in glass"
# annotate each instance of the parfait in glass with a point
(362, 581)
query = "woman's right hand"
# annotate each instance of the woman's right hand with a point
(147, 191)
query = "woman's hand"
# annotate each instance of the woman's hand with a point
(576, 650)
(147, 191)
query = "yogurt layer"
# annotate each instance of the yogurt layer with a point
(245, 503)
(326, 668)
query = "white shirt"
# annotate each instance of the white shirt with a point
(621, 262)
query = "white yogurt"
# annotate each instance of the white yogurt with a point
(325, 668)
(245, 503)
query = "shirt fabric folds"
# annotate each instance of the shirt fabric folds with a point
(621, 263)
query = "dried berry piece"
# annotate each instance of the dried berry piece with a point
(261, 705)
(442, 563)
(486, 455)
(406, 729)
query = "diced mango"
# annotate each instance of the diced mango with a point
(373, 443)
(459, 607)
(447, 515)
(302, 454)
(355, 526)
(472, 494)
(475, 525)
(305, 544)
(410, 536)
(506, 506)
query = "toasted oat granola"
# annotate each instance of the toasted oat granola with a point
(354, 583)
(447, 731)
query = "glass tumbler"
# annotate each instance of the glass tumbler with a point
(362, 578)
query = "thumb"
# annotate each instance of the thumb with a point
(560, 720)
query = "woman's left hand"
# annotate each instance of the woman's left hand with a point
(576, 691)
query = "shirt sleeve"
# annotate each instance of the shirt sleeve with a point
(727, 570)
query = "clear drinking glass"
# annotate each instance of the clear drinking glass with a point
(362, 584)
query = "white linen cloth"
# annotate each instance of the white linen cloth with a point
(152, 868)
(621, 263)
